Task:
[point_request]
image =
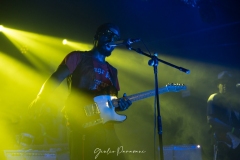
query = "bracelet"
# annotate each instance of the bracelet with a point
(232, 130)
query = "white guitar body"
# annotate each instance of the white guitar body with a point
(107, 110)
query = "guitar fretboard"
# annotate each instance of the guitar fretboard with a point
(142, 95)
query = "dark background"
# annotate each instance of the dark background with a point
(203, 37)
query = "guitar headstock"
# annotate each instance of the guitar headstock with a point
(176, 87)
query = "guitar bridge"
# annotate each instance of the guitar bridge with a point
(91, 110)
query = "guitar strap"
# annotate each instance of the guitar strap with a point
(113, 75)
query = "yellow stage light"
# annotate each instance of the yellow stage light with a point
(1, 28)
(64, 41)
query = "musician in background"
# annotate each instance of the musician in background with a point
(88, 75)
(223, 116)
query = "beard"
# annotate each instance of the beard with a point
(105, 50)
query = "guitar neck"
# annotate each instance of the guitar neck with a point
(142, 95)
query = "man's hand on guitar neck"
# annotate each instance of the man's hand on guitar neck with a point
(124, 102)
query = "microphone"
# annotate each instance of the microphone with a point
(123, 42)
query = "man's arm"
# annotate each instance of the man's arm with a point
(218, 124)
(53, 81)
(47, 89)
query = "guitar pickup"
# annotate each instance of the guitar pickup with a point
(91, 110)
(93, 123)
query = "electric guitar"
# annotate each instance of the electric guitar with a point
(105, 105)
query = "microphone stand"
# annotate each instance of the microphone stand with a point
(154, 62)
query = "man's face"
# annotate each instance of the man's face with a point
(105, 37)
(226, 86)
